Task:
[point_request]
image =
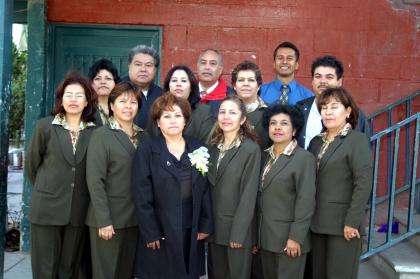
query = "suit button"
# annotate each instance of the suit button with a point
(73, 169)
(72, 185)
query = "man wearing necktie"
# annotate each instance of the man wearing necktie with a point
(284, 89)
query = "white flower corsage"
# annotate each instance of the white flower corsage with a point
(200, 159)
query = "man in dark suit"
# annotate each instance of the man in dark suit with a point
(327, 71)
(143, 62)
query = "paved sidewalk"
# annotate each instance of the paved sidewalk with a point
(17, 265)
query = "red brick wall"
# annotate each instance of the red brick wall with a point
(378, 44)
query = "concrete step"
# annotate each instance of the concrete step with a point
(401, 261)
(368, 270)
(402, 216)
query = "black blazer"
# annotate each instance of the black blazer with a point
(157, 197)
(199, 126)
(305, 107)
(60, 195)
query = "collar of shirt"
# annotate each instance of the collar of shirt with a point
(343, 132)
(210, 89)
(291, 85)
(235, 143)
(114, 125)
(288, 150)
(60, 120)
(259, 103)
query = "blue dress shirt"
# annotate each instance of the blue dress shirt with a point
(270, 92)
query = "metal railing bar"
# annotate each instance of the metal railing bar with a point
(373, 193)
(407, 143)
(395, 126)
(388, 244)
(393, 181)
(414, 174)
(397, 103)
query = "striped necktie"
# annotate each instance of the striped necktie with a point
(284, 97)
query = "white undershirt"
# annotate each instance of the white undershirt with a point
(314, 124)
(210, 89)
(145, 93)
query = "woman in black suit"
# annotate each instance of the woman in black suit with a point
(172, 198)
(234, 175)
(344, 181)
(181, 83)
(103, 75)
(287, 196)
(111, 217)
(56, 166)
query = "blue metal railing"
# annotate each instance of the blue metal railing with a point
(389, 112)
(411, 182)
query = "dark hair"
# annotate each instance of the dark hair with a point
(344, 97)
(287, 45)
(144, 50)
(246, 130)
(166, 102)
(246, 66)
(296, 116)
(194, 96)
(124, 87)
(88, 113)
(103, 64)
(219, 55)
(328, 61)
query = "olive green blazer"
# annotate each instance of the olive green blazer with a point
(255, 118)
(60, 196)
(109, 159)
(199, 126)
(344, 182)
(286, 201)
(234, 187)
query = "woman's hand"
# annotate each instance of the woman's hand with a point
(106, 233)
(292, 248)
(153, 245)
(350, 232)
(255, 250)
(201, 236)
(235, 245)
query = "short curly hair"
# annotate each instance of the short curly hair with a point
(166, 102)
(296, 116)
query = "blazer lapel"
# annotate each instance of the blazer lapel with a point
(164, 157)
(65, 142)
(225, 162)
(275, 169)
(330, 151)
(82, 144)
(125, 141)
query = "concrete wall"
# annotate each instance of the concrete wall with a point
(378, 43)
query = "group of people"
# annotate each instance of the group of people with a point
(134, 181)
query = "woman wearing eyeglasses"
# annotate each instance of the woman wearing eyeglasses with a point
(56, 167)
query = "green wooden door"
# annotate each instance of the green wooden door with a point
(77, 47)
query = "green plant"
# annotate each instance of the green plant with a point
(17, 109)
